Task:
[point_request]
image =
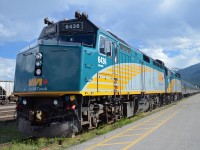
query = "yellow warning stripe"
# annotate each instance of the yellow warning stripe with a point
(109, 93)
(154, 92)
(103, 80)
(124, 77)
(117, 75)
(101, 86)
(107, 80)
(122, 69)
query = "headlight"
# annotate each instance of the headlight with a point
(72, 97)
(38, 56)
(55, 102)
(38, 63)
(24, 101)
(38, 72)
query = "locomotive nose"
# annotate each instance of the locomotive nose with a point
(47, 68)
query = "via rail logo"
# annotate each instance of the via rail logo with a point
(37, 82)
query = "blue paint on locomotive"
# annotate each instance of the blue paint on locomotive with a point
(60, 69)
(79, 69)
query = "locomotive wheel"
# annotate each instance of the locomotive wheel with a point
(94, 121)
(158, 103)
(151, 104)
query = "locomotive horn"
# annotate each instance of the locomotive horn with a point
(84, 15)
(77, 14)
(46, 21)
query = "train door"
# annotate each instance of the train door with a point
(144, 77)
(117, 70)
(170, 82)
(136, 72)
(105, 62)
(153, 79)
(125, 68)
(167, 81)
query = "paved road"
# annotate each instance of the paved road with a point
(175, 128)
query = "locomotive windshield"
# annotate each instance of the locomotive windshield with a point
(88, 40)
(84, 39)
(81, 32)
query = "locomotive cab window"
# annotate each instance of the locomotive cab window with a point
(84, 39)
(105, 46)
(124, 48)
(145, 58)
(108, 46)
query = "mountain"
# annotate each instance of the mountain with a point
(175, 69)
(191, 74)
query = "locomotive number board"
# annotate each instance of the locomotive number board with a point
(73, 26)
(50, 30)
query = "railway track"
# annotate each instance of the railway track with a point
(8, 112)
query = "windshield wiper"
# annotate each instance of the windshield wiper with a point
(49, 37)
(87, 45)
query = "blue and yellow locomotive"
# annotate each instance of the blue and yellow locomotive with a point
(79, 75)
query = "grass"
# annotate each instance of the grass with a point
(8, 132)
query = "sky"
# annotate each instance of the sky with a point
(168, 30)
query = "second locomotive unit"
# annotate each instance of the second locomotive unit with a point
(79, 75)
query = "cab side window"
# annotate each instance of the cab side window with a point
(105, 46)
(102, 45)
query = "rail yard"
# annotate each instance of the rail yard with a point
(8, 112)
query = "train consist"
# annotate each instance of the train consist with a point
(79, 75)
(188, 89)
(6, 89)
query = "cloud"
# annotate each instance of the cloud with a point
(5, 33)
(167, 29)
(186, 57)
(7, 69)
(23, 20)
